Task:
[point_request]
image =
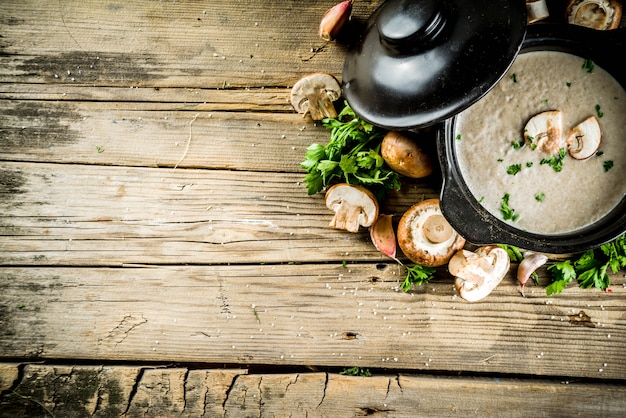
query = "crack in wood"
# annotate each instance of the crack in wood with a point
(123, 329)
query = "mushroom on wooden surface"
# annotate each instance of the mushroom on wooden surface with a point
(584, 139)
(544, 131)
(477, 273)
(426, 237)
(594, 14)
(354, 206)
(403, 155)
(314, 94)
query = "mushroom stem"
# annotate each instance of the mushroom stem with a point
(528, 266)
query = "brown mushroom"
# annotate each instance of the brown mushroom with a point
(594, 14)
(426, 237)
(314, 94)
(477, 273)
(544, 131)
(404, 156)
(354, 206)
(584, 139)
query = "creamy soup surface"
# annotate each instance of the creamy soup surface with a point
(540, 199)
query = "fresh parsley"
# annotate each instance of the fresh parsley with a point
(588, 65)
(540, 197)
(599, 111)
(513, 169)
(356, 371)
(555, 161)
(417, 275)
(591, 268)
(607, 165)
(508, 214)
(352, 155)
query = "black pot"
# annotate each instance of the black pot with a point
(470, 218)
(475, 42)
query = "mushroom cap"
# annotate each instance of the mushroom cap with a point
(314, 94)
(478, 273)
(426, 237)
(403, 155)
(544, 130)
(594, 14)
(354, 206)
(584, 139)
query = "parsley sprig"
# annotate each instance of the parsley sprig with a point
(352, 155)
(417, 275)
(590, 268)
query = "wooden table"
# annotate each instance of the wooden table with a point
(159, 254)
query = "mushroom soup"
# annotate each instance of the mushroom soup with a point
(525, 185)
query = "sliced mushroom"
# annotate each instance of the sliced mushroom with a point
(544, 131)
(314, 94)
(537, 10)
(477, 273)
(383, 235)
(354, 206)
(528, 266)
(594, 14)
(426, 237)
(584, 139)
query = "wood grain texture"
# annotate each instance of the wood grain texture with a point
(317, 315)
(153, 223)
(78, 391)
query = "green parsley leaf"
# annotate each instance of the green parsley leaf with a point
(508, 214)
(562, 273)
(514, 253)
(356, 371)
(417, 275)
(607, 165)
(588, 65)
(599, 111)
(514, 169)
(555, 161)
(540, 197)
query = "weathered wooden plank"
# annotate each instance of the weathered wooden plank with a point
(309, 314)
(64, 214)
(145, 43)
(160, 135)
(78, 391)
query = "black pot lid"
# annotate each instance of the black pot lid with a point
(420, 62)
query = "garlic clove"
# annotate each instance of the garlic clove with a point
(334, 19)
(528, 266)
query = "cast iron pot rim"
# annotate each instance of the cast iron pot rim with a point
(479, 226)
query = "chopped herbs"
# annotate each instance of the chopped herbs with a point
(518, 144)
(514, 169)
(529, 164)
(544, 101)
(514, 253)
(352, 155)
(599, 111)
(588, 65)
(540, 197)
(514, 77)
(568, 84)
(607, 165)
(458, 137)
(555, 161)
(508, 214)
(417, 275)
(356, 371)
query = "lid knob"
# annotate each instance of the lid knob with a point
(407, 26)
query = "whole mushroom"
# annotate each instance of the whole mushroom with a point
(403, 155)
(354, 206)
(426, 237)
(314, 94)
(477, 273)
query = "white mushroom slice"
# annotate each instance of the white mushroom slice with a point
(594, 14)
(314, 94)
(537, 10)
(584, 139)
(544, 131)
(354, 206)
(478, 273)
(426, 237)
